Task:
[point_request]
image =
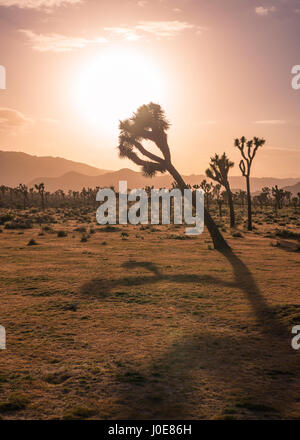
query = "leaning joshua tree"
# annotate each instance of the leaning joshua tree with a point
(218, 170)
(149, 123)
(248, 151)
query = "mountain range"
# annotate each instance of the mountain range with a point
(17, 167)
(58, 173)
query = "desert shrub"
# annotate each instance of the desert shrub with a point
(80, 412)
(109, 228)
(19, 223)
(32, 242)
(237, 235)
(180, 237)
(42, 219)
(84, 238)
(81, 229)
(144, 227)
(15, 402)
(62, 234)
(5, 218)
(48, 229)
(285, 233)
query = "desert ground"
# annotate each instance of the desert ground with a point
(142, 322)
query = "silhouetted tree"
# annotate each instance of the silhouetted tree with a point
(218, 170)
(23, 189)
(264, 197)
(288, 196)
(295, 202)
(248, 151)
(3, 190)
(41, 190)
(149, 123)
(278, 195)
(217, 194)
(241, 197)
(207, 188)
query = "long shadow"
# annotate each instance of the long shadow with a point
(102, 287)
(169, 394)
(245, 281)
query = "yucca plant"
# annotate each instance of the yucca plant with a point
(218, 170)
(248, 151)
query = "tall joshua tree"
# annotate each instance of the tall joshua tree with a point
(41, 190)
(248, 151)
(149, 123)
(218, 170)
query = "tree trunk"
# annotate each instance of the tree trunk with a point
(217, 238)
(220, 208)
(231, 207)
(249, 204)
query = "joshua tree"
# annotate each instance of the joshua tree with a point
(295, 202)
(47, 195)
(278, 195)
(41, 190)
(248, 151)
(207, 188)
(217, 193)
(3, 189)
(241, 197)
(149, 123)
(288, 196)
(264, 197)
(23, 189)
(84, 194)
(31, 192)
(218, 170)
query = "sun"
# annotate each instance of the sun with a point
(114, 85)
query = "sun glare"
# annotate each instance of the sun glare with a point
(114, 85)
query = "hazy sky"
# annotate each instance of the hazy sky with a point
(220, 68)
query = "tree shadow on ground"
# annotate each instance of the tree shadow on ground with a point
(256, 374)
(102, 287)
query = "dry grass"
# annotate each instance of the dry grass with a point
(132, 323)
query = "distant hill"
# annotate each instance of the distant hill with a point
(59, 173)
(17, 167)
(294, 189)
(77, 181)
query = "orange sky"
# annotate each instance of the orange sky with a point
(220, 69)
